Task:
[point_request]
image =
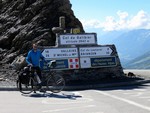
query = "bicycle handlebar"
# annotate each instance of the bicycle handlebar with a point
(52, 63)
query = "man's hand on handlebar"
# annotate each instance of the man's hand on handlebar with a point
(30, 65)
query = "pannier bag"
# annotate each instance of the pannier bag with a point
(24, 75)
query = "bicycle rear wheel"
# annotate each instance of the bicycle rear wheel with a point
(55, 83)
(26, 88)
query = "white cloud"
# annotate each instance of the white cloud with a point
(139, 21)
(109, 24)
(122, 15)
(93, 23)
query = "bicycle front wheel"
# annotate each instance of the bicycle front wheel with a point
(55, 83)
(26, 88)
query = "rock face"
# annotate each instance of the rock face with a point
(25, 21)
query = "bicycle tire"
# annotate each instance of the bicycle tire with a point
(27, 88)
(55, 83)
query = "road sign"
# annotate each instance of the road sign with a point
(95, 51)
(77, 39)
(54, 53)
(85, 62)
(81, 57)
(73, 63)
(103, 62)
(60, 64)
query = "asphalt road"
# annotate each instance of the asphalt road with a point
(129, 99)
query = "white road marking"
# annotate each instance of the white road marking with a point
(125, 100)
(57, 102)
(69, 108)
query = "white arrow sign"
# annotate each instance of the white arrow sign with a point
(95, 51)
(60, 53)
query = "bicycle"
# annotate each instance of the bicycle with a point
(53, 81)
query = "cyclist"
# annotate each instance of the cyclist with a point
(33, 60)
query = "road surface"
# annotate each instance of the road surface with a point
(129, 99)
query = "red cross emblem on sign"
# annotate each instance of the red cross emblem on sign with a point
(73, 63)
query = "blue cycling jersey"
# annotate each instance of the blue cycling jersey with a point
(34, 57)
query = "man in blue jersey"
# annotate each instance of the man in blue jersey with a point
(33, 59)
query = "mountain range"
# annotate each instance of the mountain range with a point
(131, 45)
(141, 62)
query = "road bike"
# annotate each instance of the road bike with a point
(52, 81)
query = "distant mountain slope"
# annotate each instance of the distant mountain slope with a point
(129, 44)
(142, 62)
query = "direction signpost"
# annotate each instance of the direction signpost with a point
(103, 62)
(62, 56)
(89, 56)
(80, 57)
(59, 53)
(95, 51)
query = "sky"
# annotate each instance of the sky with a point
(112, 15)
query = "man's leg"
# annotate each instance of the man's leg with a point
(39, 74)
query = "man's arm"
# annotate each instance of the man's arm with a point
(43, 58)
(28, 58)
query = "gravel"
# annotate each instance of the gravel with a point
(8, 76)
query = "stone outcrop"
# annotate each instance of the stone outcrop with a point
(25, 21)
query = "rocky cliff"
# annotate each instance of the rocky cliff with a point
(25, 21)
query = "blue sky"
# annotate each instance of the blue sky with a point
(110, 15)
